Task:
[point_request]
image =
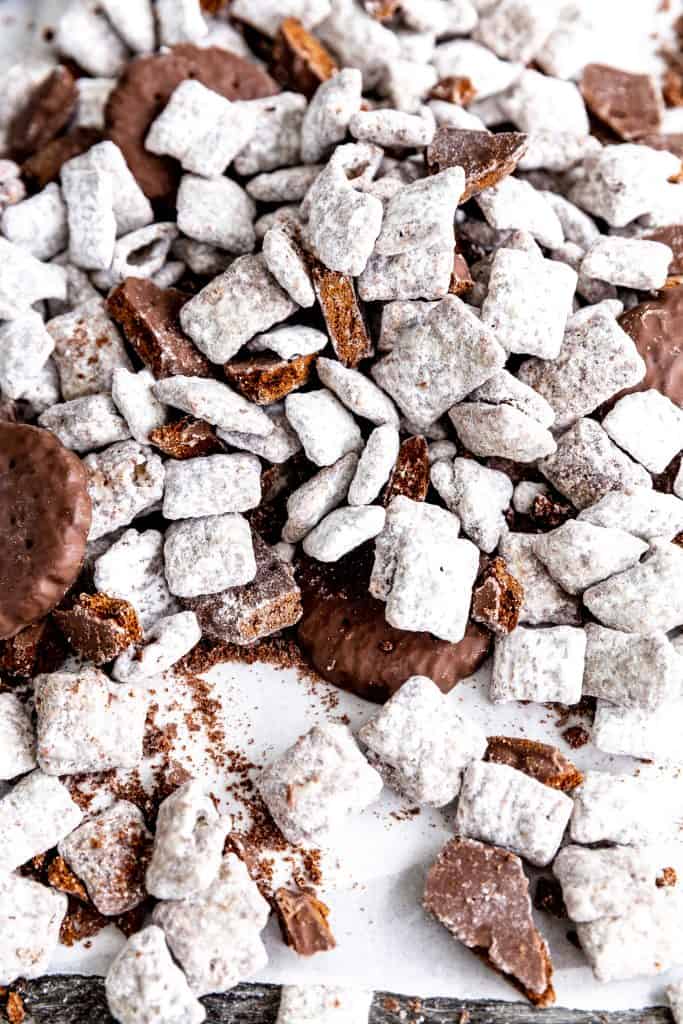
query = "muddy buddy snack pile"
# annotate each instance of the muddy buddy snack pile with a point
(345, 336)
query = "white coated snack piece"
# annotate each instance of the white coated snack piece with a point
(420, 215)
(30, 919)
(648, 426)
(638, 732)
(645, 598)
(267, 15)
(25, 280)
(133, 569)
(132, 209)
(133, 396)
(358, 39)
(357, 392)
(342, 531)
(166, 642)
(277, 446)
(215, 402)
(629, 669)
(600, 883)
(39, 224)
(144, 985)
(133, 22)
(643, 512)
(323, 1004)
(25, 347)
(290, 342)
(545, 601)
(288, 185)
(621, 809)
(539, 104)
(517, 29)
(36, 813)
(501, 805)
(188, 844)
(93, 95)
(403, 517)
(465, 58)
(424, 742)
(284, 259)
(215, 935)
(579, 554)
(501, 430)
(211, 485)
(84, 34)
(416, 274)
(628, 262)
(343, 223)
(326, 429)
(327, 116)
(17, 738)
(216, 211)
(124, 481)
(505, 389)
(180, 21)
(89, 197)
(514, 203)
(86, 423)
(317, 783)
(618, 182)
(276, 141)
(86, 723)
(375, 465)
(88, 348)
(392, 128)
(308, 504)
(140, 253)
(539, 665)
(477, 495)
(205, 556)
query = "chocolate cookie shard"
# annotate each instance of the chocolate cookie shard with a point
(345, 323)
(44, 166)
(144, 90)
(541, 761)
(345, 636)
(627, 103)
(48, 111)
(45, 517)
(410, 476)
(99, 627)
(304, 922)
(672, 235)
(486, 158)
(300, 61)
(37, 648)
(656, 327)
(481, 895)
(498, 599)
(266, 379)
(149, 316)
(456, 89)
(186, 439)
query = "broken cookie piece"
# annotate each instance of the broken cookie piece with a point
(304, 922)
(485, 158)
(540, 761)
(99, 627)
(497, 599)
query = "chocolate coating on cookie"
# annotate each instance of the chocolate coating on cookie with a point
(144, 90)
(346, 638)
(656, 327)
(45, 514)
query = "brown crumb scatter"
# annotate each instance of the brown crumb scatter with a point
(667, 879)
(61, 877)
(81, 922)
(548, 513)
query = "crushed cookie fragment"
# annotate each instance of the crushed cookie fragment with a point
(299, 61)
(304, 922)
(410, 476)
(339, 304)
(264, 379)
(99, 627)
(498, 598)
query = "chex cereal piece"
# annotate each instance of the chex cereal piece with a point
(637, 732)
(317, 783)
(323, 1004)
(545, 602)
(586, 465)
(109, 854)
(242, 302)
(123, 482)
(645, 598)
(404, 516)
(25, 347)
(39, 224)
(645, 940)
(631, 670)
(141, 253)
(87, 723)
(456, 19)
(180, 22)
(241, 615)
(528, 302)
(392, 128)
(132, 209)
(201, 258)
(397, 315)
(25, 280)
(578, 555)
(356, 392)
(601, 883)
(466, 58)
(578, 227)
(343, 530)
(99, 627)
(620, 809)
(89, 198)
(630, 104)
(204, 556)
(501, 430)
(290, 341)
(30, 918)
(85, 35)
(436, 362)
(277, 446)
(133, 397)
(145, 986)
(628, 262)
(477, 495)
(267, 379)
(211, 485)
(545, 106)
(648, 426)
(215, 935)
(517, 29)
(214, 402)
(85, 423)
(327, 117)
(439, 450)
(188, 844)
(416, 274)
(325, 427)
(267, 15)
(513, 203)
(375, 465)
(201, 129)
(539, 665)
(286, 262)
(36, 813)
(88, 348)
(134, 23)
(133, 569)
(166, 642)
(505, 389)
(497, 599)
(307, 505)
(276, 141)
(288, 185)
(618, 183)
(420, 215)
(17, 740)
(343, 223)
(501, 805)
(424, 742)
(359, 40)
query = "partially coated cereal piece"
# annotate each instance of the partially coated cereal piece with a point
(145, 986)
(124, 481)
(42, 113)
(307, 505)
(242, 302)
(323, 1004)
(213, 401)
(284, 259)
(375, 465)
(628, 262)
(343, 223)
(89, 199)
(188, 844)
(30, 918)
(546, 107)
(620, 809)
(647, 425)
(276, 141)
(109, 854)
(501, 805)
(501, 430)
(132, 395)
(299, 61)
(211, 485)
(267, 379)
(85, 35)
(600, 883)
(166, 642)
(336, 294)
(466, 58)
(25, 347)
(410, 475)
(39, 224)
(87, 350)
(357, 393)
(215, 935)
(17, 740)
(277, 447)
(342, 531)
(620, 181)
(132, 209)
(420, 736)
(485, 158)
(133, 569)
(477, 495)
(645, 598)
(515, 204)
(545, 602)
(85, 423)
(87, 723)
(577, 555)
(327, 117)
(327, 430)
(517, 29)
(36, 813)
(539, 665)
(180, 21)
(99, 627)
(498, 599)
(317, 783)
(420, 216)
(636, 732)
(205, 556)
(133, 22)
(631, 670)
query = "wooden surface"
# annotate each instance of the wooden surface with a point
(78, 1000)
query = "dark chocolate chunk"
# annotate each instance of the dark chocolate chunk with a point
(485, 158)
(304, 922)
(548, 897)
(627, 103)
(149, 318)
(498, 599)
(45, 165)
(656, 327)
(45, 512)
(549, 513)
(186, 439)
(99, 627)
(541, 761)
(300, 61)
(410, 475)
(47, 112)
(345, 323)
(266, 379)
(481, 895)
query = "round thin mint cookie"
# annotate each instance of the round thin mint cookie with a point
(45, 514)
